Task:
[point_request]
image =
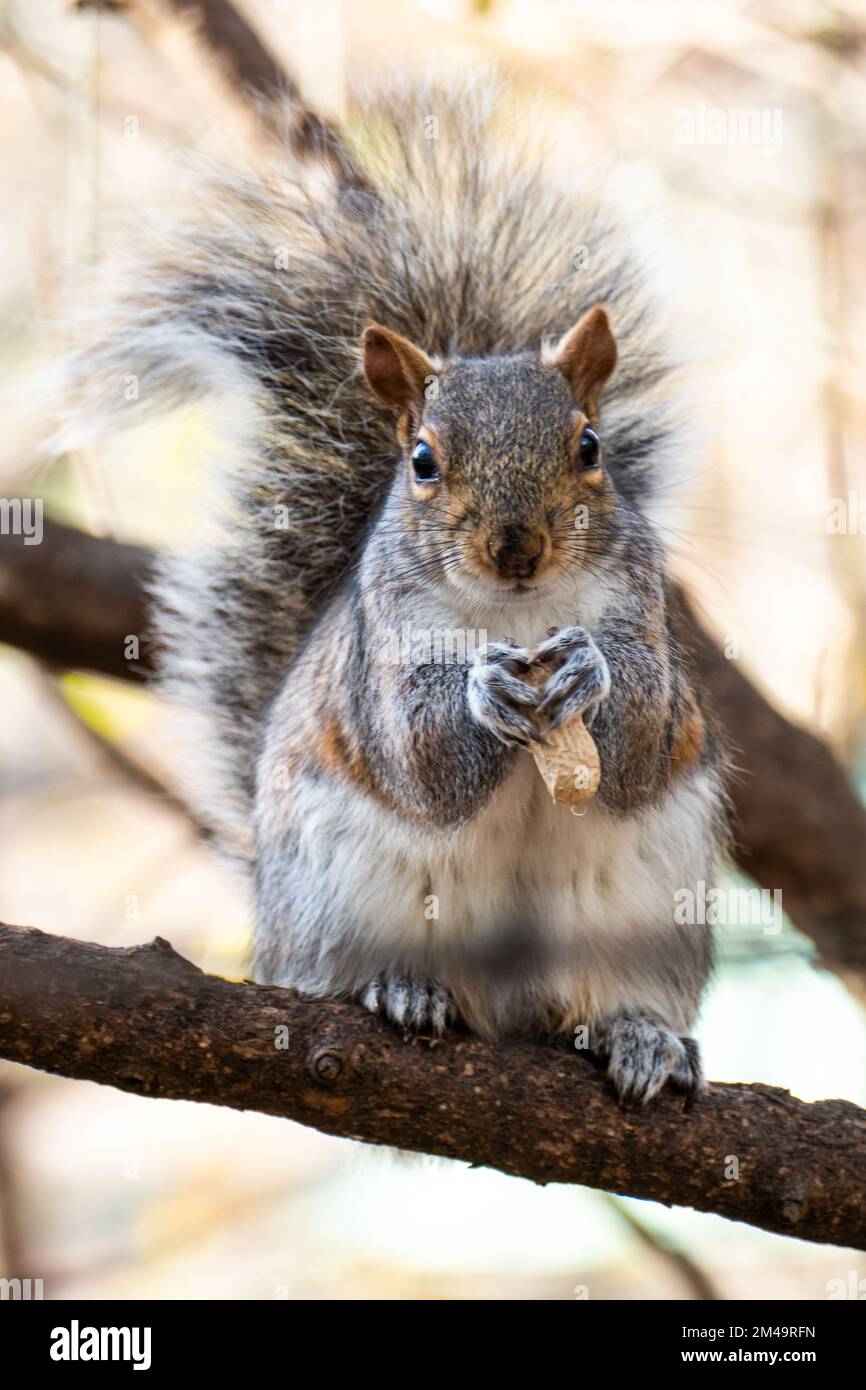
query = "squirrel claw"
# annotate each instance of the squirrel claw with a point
(642, 1056)
(498, 698)
(416, 1006)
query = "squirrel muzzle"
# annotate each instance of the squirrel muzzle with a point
(517, 553)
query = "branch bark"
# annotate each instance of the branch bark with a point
(145, 1020)
(73, 599)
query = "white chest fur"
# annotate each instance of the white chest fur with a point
(437, 896)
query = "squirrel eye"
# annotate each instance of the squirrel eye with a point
(590, 448)
(424, 463)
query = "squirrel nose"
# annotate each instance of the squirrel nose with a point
(516, 553)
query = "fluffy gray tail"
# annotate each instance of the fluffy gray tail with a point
(454, 236)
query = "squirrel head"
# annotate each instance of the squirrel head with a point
(502, 478)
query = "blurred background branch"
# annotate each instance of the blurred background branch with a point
(254, 76)
(73, 600)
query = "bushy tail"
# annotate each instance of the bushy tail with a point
(455, 237)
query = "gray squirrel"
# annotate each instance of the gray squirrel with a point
(449, 411)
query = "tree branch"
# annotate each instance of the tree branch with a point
(145, 1020)
(255, 76)
(73, 599)
(236, 47)
(232, 42)
(800, 825)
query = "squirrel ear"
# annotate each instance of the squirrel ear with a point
(586, 356)
(395, 369)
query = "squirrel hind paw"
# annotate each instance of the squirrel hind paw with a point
(416, 1006)
(642, 1056)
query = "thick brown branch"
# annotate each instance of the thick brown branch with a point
(73, 600)
(145, 1020)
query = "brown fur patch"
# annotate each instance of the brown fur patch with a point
(341, 757)
(689, 738)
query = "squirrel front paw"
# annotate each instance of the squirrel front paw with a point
(579, 677)
(499, 699)
(422, 1006)
(642, 1056)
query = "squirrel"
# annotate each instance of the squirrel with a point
(451, 412)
